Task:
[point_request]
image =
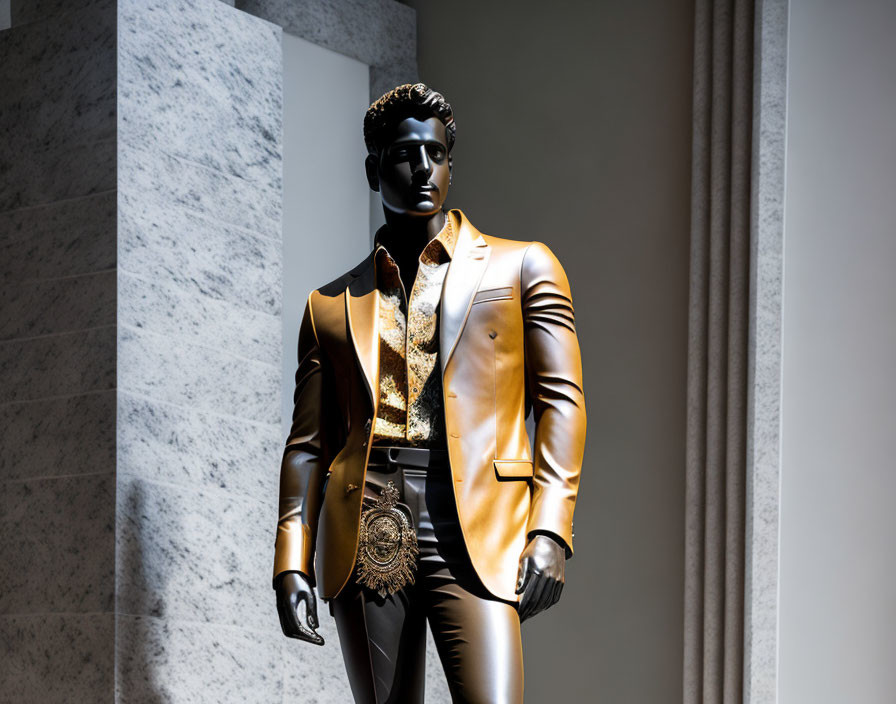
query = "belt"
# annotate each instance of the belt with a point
(396, 456)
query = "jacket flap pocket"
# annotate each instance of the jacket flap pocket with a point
(493, 294)
(514, 469)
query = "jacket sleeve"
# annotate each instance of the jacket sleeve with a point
(303, 467)
(554, 378)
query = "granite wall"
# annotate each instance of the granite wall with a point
(58, 353)
(198, 335)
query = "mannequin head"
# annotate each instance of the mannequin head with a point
(409, 133)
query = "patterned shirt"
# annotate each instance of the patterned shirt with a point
(410, 408)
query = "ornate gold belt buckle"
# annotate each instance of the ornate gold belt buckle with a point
(387, 545)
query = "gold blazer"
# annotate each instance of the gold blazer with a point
(507, 344)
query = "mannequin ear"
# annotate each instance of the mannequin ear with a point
(370, 166)
(450, 168)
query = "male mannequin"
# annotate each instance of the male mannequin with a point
(494, 523)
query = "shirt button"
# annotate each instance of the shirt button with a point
(415, 389)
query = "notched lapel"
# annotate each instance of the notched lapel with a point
(362, 313)
(471, 253)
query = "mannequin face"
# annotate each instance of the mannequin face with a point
(413, 172)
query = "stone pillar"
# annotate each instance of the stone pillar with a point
(198, 403)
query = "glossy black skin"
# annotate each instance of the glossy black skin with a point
(412, 173)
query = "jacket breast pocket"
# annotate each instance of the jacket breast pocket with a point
(493, 294)
(514, 469)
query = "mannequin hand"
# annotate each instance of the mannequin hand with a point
(541, 575)
(293, 587)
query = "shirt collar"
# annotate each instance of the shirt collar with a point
(443, 243)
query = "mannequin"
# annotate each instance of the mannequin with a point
(410, 133)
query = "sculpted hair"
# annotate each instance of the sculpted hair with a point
(415, 100)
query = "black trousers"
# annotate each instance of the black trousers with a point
(477, 636)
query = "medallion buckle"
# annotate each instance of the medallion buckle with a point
(387, 546)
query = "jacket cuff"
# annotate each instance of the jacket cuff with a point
(293, 550)
(553, 536)
(552, 514)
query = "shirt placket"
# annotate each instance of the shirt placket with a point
(414, 338)
(415, 383)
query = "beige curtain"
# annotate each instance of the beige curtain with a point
(717, 357)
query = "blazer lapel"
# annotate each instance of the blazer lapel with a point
(465, 271)
(362, 313)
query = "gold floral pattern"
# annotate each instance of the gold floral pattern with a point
(410, 385)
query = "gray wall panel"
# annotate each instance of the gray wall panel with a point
(58, 365)
(67, 238)
(838, 472)
(58, 436)
(58, 352)
(57, 658)
(57, 545)
(44, 307)
(58, 121)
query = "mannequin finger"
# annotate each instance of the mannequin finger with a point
(560, 590)
(310, 609)
(298, 629)
(307, 629)
(555, 593)
(289, 619)
(532, 590)
(535, 595)
(282, 613)
(550, 590)
(541, 601)
(523, 575)
(309, 635)
(529, 584)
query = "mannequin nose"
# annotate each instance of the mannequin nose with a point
(423, 162)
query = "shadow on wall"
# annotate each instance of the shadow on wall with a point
(136, 663)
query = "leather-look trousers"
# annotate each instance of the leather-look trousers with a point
(384, 639)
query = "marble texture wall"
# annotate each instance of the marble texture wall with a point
(57, 354)
(199, 277)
